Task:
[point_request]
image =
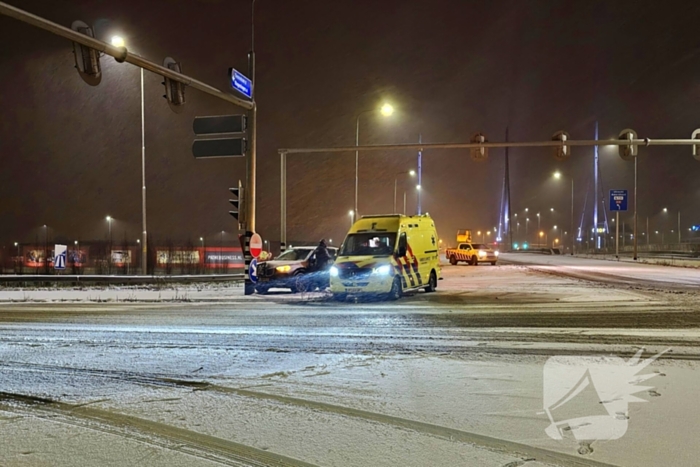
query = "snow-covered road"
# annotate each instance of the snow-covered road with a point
(452, 378)
(619, 272)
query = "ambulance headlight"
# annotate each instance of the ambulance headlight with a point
(482, 253)
(495, 253)
(334, 271)
(383, 270)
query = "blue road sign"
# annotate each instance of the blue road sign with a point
(253, 271)
(618, 200)
(241, 83)
(59, 261)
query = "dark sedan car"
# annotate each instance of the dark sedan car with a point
(292, 270)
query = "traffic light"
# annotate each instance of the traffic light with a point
(561, 153)
(627, 151)
(174, 90)
(238, 203)
(480, 153)
(87, 60)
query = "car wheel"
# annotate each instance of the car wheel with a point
(262, 289)
(300, 284)
(453, 260)
(474, 261)
(432, 283)
(396, 289)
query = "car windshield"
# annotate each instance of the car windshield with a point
(369, 244)
(295, 254)
(480, 246)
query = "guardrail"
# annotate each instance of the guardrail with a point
(102, 279)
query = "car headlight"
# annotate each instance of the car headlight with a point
(334, 271)
(495, 253)
(285, 268)
(482, 253)
(383, 270)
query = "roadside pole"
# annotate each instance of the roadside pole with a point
(617, 235)
(635, 209)
(251, 162)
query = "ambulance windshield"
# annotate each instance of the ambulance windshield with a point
(369, 244)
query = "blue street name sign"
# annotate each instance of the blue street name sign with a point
(618, 200)
(241, 83)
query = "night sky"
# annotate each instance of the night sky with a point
(70, 153)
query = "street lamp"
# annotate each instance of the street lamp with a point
(558, 176)
(386, 110)
(396, 178)
(118, 41)
(351, 213)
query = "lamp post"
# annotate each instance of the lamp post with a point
(557, 175)
(538, 221)
(46, 248)
(351, 213)
(118, 41)
(418, 189)
(221, 252)
(396, 178)
(109, 223)
(385, 110)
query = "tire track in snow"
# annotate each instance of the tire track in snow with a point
(448, 433)
(160, 434)
(451, 434)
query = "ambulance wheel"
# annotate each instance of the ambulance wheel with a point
(340, 297)
(396, 289)
(432, 283)
(493, 263)
(474, 261)
(453, 260)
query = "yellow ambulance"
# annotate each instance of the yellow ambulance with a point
(387, 255)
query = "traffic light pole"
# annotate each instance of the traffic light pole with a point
(284, 152)
(251, 163)
(121, 54)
